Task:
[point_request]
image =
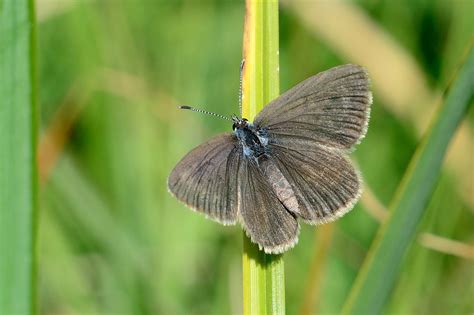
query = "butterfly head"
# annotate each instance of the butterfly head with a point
(239, 123)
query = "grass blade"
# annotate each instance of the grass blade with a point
(379, 272)
(17, 157)
(263, 274)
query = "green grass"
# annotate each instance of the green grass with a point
(383, 263)
(18, 189)
(263, 274)
(111, 238)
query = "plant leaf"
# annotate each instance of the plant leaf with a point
(17, 157)
(381, 267)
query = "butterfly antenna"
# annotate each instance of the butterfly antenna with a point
(204, 112)
(240, 85)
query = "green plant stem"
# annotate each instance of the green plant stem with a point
(380, 269)
(263, 274)
(18, 187)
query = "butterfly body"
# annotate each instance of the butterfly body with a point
(290, 163)
(251, 139)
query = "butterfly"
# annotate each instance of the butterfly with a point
(289, 164)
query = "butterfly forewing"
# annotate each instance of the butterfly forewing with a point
(266, 221)
(329, 109)
(206, 178)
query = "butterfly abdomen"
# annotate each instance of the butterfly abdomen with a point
(279, 183)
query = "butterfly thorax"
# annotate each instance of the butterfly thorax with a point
(252, 140)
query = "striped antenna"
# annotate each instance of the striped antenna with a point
(240, 85)
(204, 112)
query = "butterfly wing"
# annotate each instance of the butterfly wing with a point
(206, 178)
(324, 182)
(265, 219)
(329, 109)
(309, 128)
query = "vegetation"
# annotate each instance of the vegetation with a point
(18, 188)
(110, 237)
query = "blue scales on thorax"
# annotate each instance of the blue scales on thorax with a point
(253, 141)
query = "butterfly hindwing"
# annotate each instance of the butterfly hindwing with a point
(329, 109)
(206, 178)
(265, 219)
(324, 182)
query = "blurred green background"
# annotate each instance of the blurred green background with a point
(111, 73)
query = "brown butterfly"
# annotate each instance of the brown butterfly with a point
(291, 163)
